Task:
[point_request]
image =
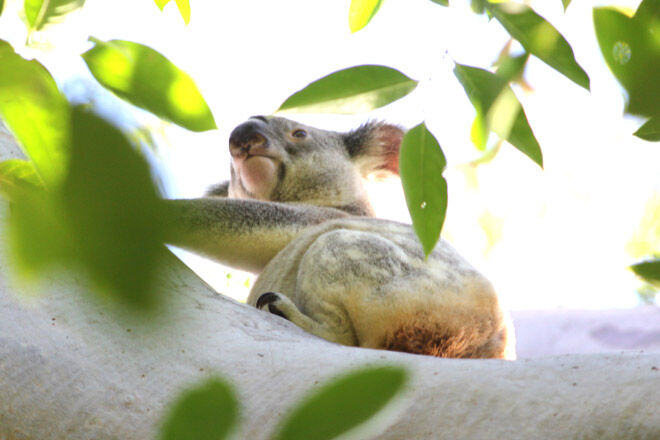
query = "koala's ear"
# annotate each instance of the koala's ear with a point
(374, 146)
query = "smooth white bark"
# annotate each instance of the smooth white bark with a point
(72, 369)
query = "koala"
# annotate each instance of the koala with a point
(296, 212)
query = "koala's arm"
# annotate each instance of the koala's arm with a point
(245, 234)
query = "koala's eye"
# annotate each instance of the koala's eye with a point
(299, 133)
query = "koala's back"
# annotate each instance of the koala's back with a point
(366, 282)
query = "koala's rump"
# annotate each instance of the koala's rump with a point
(371, 276)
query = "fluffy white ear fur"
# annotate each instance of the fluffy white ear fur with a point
(375, 147)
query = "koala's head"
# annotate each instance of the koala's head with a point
(281, 160)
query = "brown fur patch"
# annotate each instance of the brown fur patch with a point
(420, 338)
(389, 138)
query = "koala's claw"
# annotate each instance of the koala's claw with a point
(269, 299)
(266, 298)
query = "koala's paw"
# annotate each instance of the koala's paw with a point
(271, 300)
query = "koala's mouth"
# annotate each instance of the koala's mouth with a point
(250, 156)
(241, 157)
(249, 161)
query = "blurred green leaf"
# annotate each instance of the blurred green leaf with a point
(421, 163)
(539, 38)
(478, 6)
(343, 404)
(208, 411)
(183, 5)
(184, 10)
(566, 3)
(648, 270)
(39, 13)
(479, 133)
(650, 131)
(648, 11)
(17, 172)
(110, 202)
(148, 80)
(511, 68)
(39, 235)
(361, 12)
(103, 219)
(498, 106)
(645, 240)
(631, 48)
(35, 112)
(353, 90)
(2, 5)
(441, 2)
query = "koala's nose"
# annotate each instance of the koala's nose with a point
(246, 137)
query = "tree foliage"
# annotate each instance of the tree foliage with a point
(147, 79)
(40, 13)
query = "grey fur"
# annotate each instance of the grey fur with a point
(219, 190)
(296, 212)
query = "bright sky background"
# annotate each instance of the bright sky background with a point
(546, 238)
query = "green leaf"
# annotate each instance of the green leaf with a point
(184, 10)
(511, 68)
(539, 38)
(499, 107)
(183, 5)
(39, 235)
(112, 205)
(35, 112)
(631, 48)
(208, 411)
(650, 131)
(361, 12)
(343, 404)
(441, 2)
(2, 5)
(648, 11)
(147, 79)
(16, 173)
(479, 132)
(161, 3)
(421, 163)
(478, 6)
(648, 270)
(103, 219)
(566, 3)
(39, 13)
(353, 90)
